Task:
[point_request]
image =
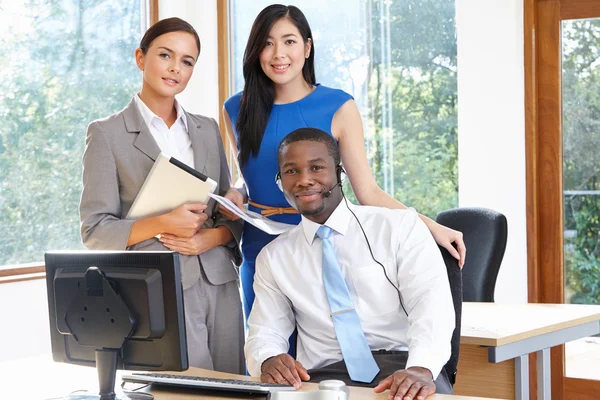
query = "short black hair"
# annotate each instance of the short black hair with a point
(312, 135)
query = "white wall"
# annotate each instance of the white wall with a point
(491, 125)
(202, 93)
(24, 319)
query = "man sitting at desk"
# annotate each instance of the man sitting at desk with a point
(366, 287)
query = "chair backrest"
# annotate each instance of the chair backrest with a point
(455, 279)
(484, 232)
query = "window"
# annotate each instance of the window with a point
(581, 181)
(63, 64)
(398, 60)
(581, 164)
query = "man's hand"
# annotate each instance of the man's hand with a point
(409, 384)
(283, 369)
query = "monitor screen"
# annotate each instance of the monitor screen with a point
(116, 310)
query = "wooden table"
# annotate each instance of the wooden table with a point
(41, 378)
(497, 339)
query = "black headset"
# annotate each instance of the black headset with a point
(340, 173)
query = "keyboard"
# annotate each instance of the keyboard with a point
(199, 382)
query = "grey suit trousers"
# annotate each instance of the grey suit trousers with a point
(214, 327)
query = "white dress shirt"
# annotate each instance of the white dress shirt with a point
(289, 290)
(174, 141)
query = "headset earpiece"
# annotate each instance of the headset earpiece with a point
(278, 181)
(341, 174)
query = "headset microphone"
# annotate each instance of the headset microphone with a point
(328, 193)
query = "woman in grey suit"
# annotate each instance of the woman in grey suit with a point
(120, 151)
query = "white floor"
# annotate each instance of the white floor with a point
(583, 358)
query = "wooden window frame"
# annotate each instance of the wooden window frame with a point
(223, 61)
(153, 11)
(22, 272)
(225, 72)
(544, 182)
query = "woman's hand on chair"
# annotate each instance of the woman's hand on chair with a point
(445, 237)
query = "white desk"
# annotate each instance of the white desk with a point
(506, 332)
(41, 378)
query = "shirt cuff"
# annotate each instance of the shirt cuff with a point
(255, 363)
(425, 358)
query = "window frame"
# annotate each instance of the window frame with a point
(224, 49)
(544, 169)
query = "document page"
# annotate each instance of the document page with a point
(259, 221)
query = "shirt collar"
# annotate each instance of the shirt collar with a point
(338, 221)
(148, 115)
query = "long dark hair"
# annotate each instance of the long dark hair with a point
(166, 26)
(258, 96)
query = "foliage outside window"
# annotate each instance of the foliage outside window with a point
(398, 60)
(581, 163)
(63, 64)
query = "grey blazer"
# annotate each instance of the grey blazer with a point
(119, 153)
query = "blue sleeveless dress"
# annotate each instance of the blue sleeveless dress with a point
(313, 111)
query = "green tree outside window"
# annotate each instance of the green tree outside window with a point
(63, 64)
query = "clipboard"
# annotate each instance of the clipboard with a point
(169, 184)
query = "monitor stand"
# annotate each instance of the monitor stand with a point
(106, 365)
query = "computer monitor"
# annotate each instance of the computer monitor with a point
(116, 310)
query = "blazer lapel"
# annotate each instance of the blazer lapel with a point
(200, 149)
(134, 123)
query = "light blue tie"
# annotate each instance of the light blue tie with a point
(353, 343)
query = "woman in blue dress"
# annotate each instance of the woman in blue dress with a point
(280, 95)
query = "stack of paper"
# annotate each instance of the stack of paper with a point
(262, 223)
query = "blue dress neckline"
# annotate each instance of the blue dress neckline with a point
(317, 85)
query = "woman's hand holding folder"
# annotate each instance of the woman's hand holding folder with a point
(203, 240)
(183, 221)
(186, 235)
(186, 220)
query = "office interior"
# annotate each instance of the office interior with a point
(509, 148)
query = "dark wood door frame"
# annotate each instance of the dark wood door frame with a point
(544, 183)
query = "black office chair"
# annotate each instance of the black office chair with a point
(456, 287)
(484, 232)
